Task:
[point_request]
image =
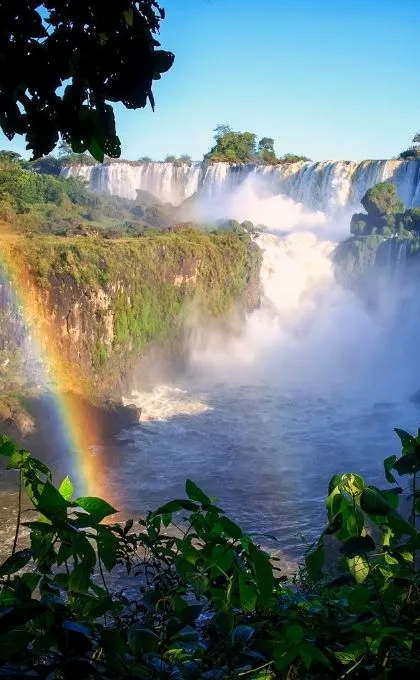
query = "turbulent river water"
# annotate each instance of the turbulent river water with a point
(312, 385)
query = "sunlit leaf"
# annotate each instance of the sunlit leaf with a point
(66, 489)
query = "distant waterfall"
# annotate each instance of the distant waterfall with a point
(392, 254)
(169, 182)
(328, 186)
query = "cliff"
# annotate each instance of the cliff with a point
(103, 303)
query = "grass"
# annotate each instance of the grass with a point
(134, 292)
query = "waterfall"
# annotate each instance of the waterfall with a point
(327, 186)
(392, 254)
(168, 182)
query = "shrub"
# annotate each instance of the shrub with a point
(191, 559)
(382, 199)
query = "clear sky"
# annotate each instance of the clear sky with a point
(335, 79)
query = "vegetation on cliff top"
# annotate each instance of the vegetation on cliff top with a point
(241, 147)
(385, 214)
(413, 152)
(148, 285)
(206, 601)
(385, 218)
(37, 202)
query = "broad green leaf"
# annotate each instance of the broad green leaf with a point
(7, 447)
(196, 494)
(353, 483)
(357, 545)
(96, 150)
(142, 640)
(263, 572)
(79, 580)
(221, 559)
(97, 508)
(17, 460)
(358, 597)
(224, 619)
(31, 580)
(372, 502)
(359, 568)
(51, 504)
(315, 562)
(15, 562)
(231, 528)
(175, 506)
(407, 440)
(283, 657)
(242, 634)
(108, 545)
(407, 464)
(66, 489)
(388, 466)
(294, 633)
(19, 616)
(188, 552)
(247, 593)
(309, 653)
(14, 643)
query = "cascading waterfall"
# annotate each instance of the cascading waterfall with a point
(313, 382)
(328, 186)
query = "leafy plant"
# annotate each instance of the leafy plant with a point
(208, 601)
(101, 55)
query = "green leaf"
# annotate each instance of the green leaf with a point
(96, 150)
(221, 559)
(188, 552)
(407, 464)
(294, 633)
(79, 580)
(108, 545)
(31, 580)
(372, 502)
(18, 616)
(13, 643)
(309, 653)
(242, 634)
(357, 545)
(175, 506)
(162, 61)
(359, 568)
(407, 440)
(15, 562)
(51, 503)
(7, 447)
(353, 483)
(315, 562)
(231, 528)
(142, 640)
(66, 489)
(196, 494)
(247, 593)
(284, 657)
(388, 466)
(263, 572)
(96, 507)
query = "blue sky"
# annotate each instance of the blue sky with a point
(326, 78)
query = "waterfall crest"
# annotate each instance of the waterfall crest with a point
(327, 186)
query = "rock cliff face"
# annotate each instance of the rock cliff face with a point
(105, 303)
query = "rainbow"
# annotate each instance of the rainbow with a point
(71, 423)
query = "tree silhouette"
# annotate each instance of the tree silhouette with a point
(62, 61)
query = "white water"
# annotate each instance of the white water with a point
(313, 385)
(328, 186)
(315, 382)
